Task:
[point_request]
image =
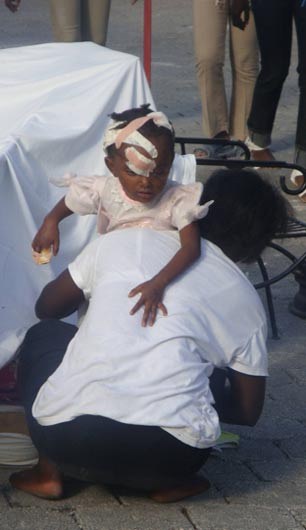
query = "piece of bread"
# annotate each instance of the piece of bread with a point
(43, 257)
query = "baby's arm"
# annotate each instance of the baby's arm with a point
(152, 291)
(83, 197)
(48, 234)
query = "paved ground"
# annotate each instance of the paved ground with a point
(262, 484)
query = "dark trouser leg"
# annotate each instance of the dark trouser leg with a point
(300, 22)
(298, 304)
(273, 20)
(41, 353)
(100, 449)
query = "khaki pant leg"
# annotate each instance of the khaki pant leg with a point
(245, 65)
(95, 15)
(65, 20)
(210, 26)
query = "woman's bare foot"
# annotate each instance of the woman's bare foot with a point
(193, 486)
(42, 480)
(262, 155)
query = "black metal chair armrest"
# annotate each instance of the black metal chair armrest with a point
(182, 141)
(241, 164)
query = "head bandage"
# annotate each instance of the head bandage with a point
(138, 163)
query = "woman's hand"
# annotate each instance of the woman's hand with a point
(13, 5)
(151, 298)
(47, 236)
(240, 11)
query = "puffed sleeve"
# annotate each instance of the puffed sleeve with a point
(84, 193)
(186, 208)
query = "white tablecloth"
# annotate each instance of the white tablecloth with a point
(54, 106)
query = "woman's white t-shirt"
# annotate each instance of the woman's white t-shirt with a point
(155, 375)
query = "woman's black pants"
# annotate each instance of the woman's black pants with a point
(97, 448)
(274, 20)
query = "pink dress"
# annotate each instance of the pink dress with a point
(176, 207)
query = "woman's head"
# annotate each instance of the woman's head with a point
(247, 213)
(139, 145)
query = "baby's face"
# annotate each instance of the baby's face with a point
(143, 188)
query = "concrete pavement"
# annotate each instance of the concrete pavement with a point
(261, 484)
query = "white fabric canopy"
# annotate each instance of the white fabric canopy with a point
(54, 105)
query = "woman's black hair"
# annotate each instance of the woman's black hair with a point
(247, 213)
(149, 129)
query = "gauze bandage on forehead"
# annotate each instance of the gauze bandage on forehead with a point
(138, 163)
(131, 135)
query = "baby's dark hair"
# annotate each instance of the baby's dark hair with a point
(149, 129)
(247, 213)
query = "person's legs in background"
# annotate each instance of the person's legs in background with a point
(65, 20)
(300, 22)
(95, 15)
(80, 20)
(274, 31)
(210, 26)
(300, 141)
(245, 65)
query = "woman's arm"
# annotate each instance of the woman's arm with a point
(48, 234)
(240, 402)
(152, 290)
(59, 298)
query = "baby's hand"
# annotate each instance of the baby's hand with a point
(43, 257)
(47, 236)
(151, 297)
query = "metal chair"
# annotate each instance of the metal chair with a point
(296, 227)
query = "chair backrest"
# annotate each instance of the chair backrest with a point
(241, 164)
(183, 141)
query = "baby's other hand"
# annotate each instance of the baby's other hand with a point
(151, 298)
(47, 236)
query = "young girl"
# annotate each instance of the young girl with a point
(139, 147)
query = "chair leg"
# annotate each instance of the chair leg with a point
(269, 298)
(298, 305)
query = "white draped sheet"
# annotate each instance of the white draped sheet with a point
(54, 105)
